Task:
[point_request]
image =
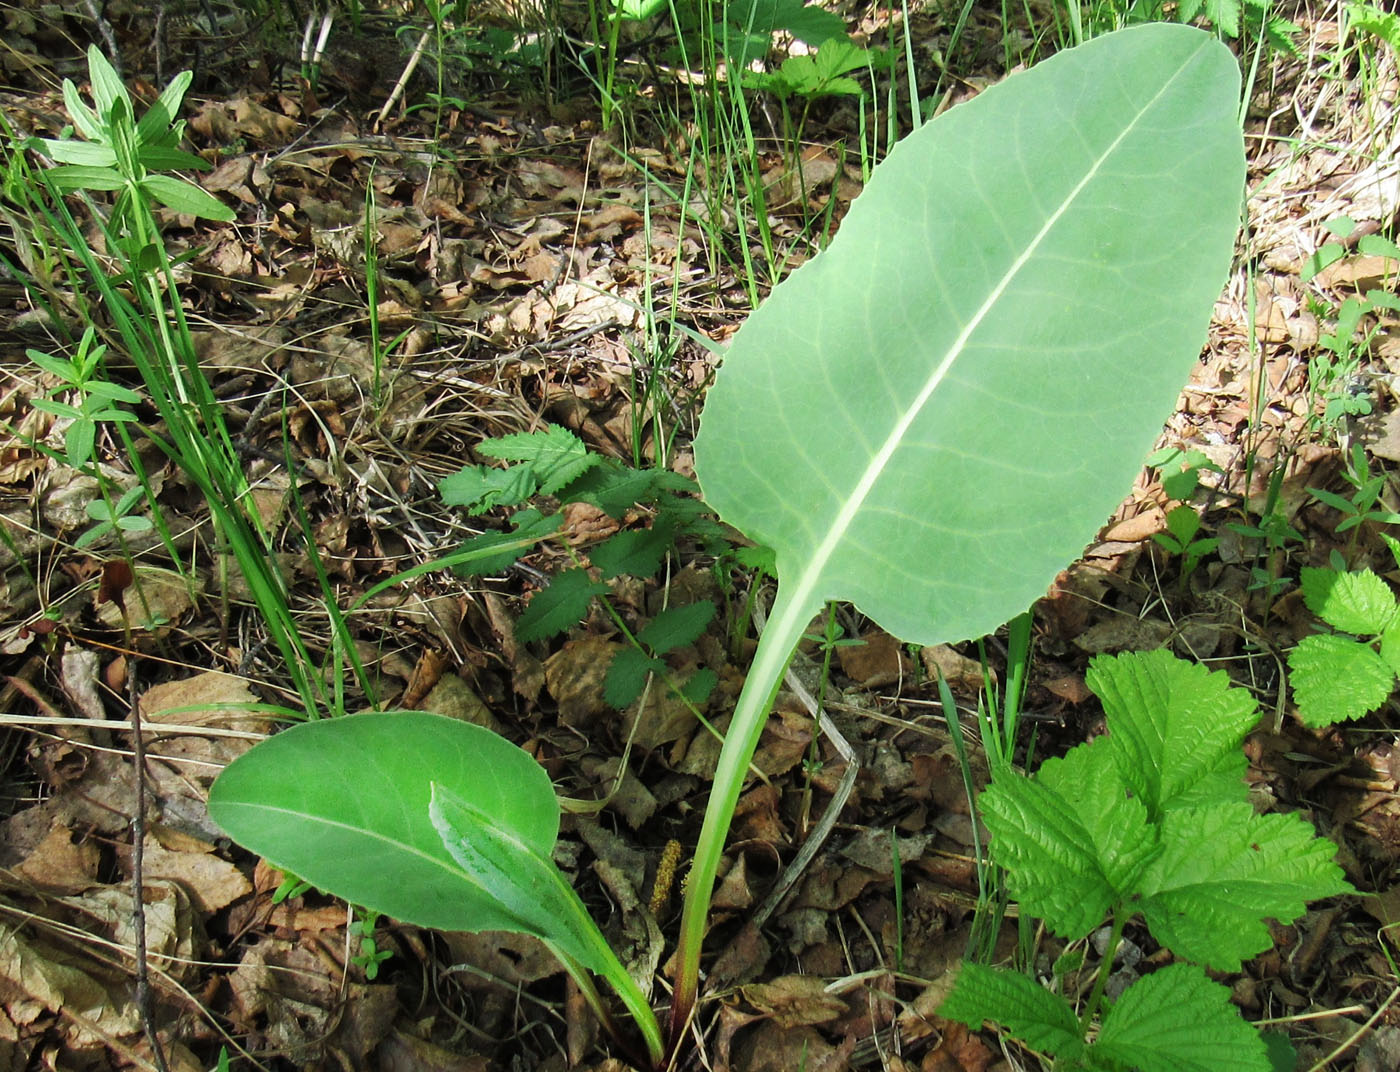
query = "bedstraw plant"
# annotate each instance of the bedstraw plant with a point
(936, 468)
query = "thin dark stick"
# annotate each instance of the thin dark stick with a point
(108, 38)
(138, 909)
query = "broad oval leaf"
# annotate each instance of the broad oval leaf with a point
(344, 804)
(931, 418)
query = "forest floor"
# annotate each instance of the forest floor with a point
(516, 244)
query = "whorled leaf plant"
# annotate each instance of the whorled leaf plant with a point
(930, 419)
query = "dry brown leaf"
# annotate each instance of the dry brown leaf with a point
(794, 1000)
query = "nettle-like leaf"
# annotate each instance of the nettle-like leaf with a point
(1178, 1020)
(1222, 871)
(673, 628)
(1174, 728)
(1336, 679)
(1044, 1021)
(635, 551)
(1358, 602)
(1155, 817)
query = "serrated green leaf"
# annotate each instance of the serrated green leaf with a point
(1336, 679)
(529, 525)
(480, 489)
(676, 627)
(627, 676)
(1178, 1020)
(1051, 858)
(1222, 871)
(1390, 648)
(612, 488)
(554, 455)
(1183, 522)
(1112, 813)
(1041, 1019)
(633, 551)
(1357, 602)
(560, 606)
(699, 685)
(1174, 728)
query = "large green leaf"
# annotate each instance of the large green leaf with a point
(931, 418)
(344, 804)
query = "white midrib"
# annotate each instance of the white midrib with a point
(804, 593)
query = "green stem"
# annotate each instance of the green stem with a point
(1091, 1007)
(775, 648)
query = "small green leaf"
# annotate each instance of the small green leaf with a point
(1223, 870)
(677, 626)
(184, 197)
(1178, 1020)
(1043, 1020)
(637, 552)
(1336, 679)
(627, 676)
(82, 153)
(556, 608)
(699, 685)
(158, 118)
(529, 524)
(555, 456)
(78, 442)
(1358, 602)
(163, 158)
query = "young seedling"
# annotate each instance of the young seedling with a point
(1346, 674)
(95, 400)
(937, 468)
(1151, 820)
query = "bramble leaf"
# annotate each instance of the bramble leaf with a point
(1042, 1019)
(1051, 858)
(563, 604)
(1174, 728)
(1178, 1020)
(1223, 870)
(1336, 679)
(1358, 602)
